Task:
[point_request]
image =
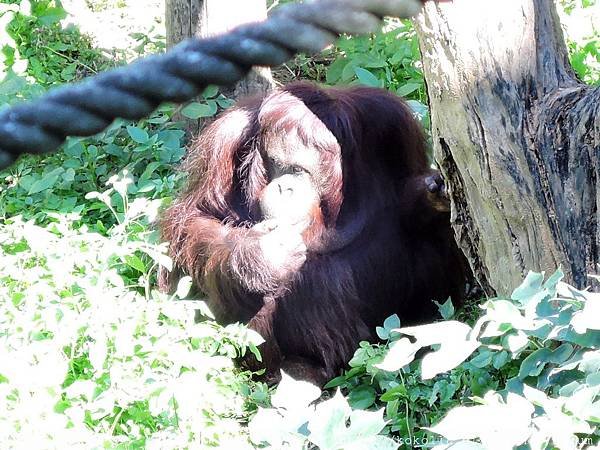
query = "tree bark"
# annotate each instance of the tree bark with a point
(203, 18)
(516, 137)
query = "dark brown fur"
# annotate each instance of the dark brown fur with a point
(372, 173)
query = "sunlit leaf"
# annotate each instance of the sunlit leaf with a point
(139, 135)
(367, 78)
(197, 110)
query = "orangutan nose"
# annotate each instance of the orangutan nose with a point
(284, 190)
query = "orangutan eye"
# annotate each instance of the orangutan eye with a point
(296, 170)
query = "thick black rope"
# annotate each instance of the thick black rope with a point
(134, 91)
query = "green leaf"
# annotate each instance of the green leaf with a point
(382, 333)
(335, 70)
(69, 175)
(329, 429)
(255, 351)
(225, 103)
(553, 280)
(328, 425)
(418, 108)
(196, 110)
(135, 262)
(337, 381)
(449, 356)
(535, 363)
(444, 389)
(407, 88)
(211, 91)
(528, 288)
(392, 322)
(294, 394)
(52, 15)
(362, 397)
(446, 309)
(149, 170)
(74, 147)
(61, 406)
(12, 84)
(183, 287)
(138, 135)
(495, 422)
(562, 353)
(394, 393)
(46, 182)
(367, 78)
(500, 359)
(482, 359)
(359, 359)
(348, 73)
(400, 353)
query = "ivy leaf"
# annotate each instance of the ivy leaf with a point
(52, 15)
(268, 426)
(483, 359)
(382, 333)
(420, 110)
(587, 318)
(449, 356)
(328, 426)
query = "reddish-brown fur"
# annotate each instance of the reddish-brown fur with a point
(373, 166)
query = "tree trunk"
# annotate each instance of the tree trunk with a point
(516, 137)
(187, 18)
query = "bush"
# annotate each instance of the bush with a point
(526, 375)
(53, 54)
(92, 356)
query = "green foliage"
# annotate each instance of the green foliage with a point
(571, 5)
(388, 59)
(208, 107)
(91, 354)
(584, 52)
(526, 373)
(87, 361)
(53, 54)
(585, 60)
(295, 422)
(145, 151)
